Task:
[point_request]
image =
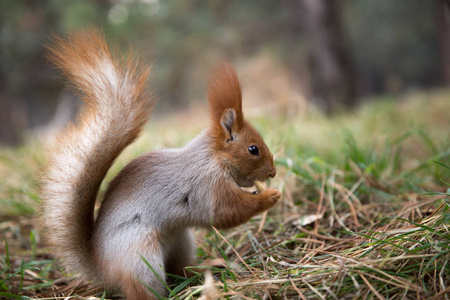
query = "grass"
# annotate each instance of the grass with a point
(364, 215)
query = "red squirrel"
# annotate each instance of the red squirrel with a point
(149, 206)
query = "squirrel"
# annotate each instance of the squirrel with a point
(149, 206)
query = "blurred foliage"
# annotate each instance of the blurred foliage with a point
(394, 44)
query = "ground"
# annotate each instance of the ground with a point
(364, 213)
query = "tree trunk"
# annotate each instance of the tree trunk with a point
(9, 132)
(443, 27)
(332, 75)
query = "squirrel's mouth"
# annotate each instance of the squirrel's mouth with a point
(245, 183)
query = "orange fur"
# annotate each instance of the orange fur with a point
(231, 145)
(117, 106)
(224, 92)
(133, 289)
(237, 207)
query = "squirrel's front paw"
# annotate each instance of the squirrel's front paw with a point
(271, 196)
(274, 195)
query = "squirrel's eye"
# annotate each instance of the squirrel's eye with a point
(253, 150)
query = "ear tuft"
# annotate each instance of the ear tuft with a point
(224, 94)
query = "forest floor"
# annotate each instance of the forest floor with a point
(364, 213)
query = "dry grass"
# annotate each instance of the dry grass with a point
(364, 215)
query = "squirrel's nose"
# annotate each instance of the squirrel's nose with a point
(273, 173)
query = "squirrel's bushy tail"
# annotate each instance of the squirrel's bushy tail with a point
(117, 106)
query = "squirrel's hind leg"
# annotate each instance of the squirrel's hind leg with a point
(181, 254)
(134, 289)
(130, 272)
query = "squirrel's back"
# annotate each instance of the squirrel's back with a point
(117, 106)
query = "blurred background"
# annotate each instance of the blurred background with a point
(330, 54)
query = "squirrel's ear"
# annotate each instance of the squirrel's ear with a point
(228, 122)
(225, 102)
